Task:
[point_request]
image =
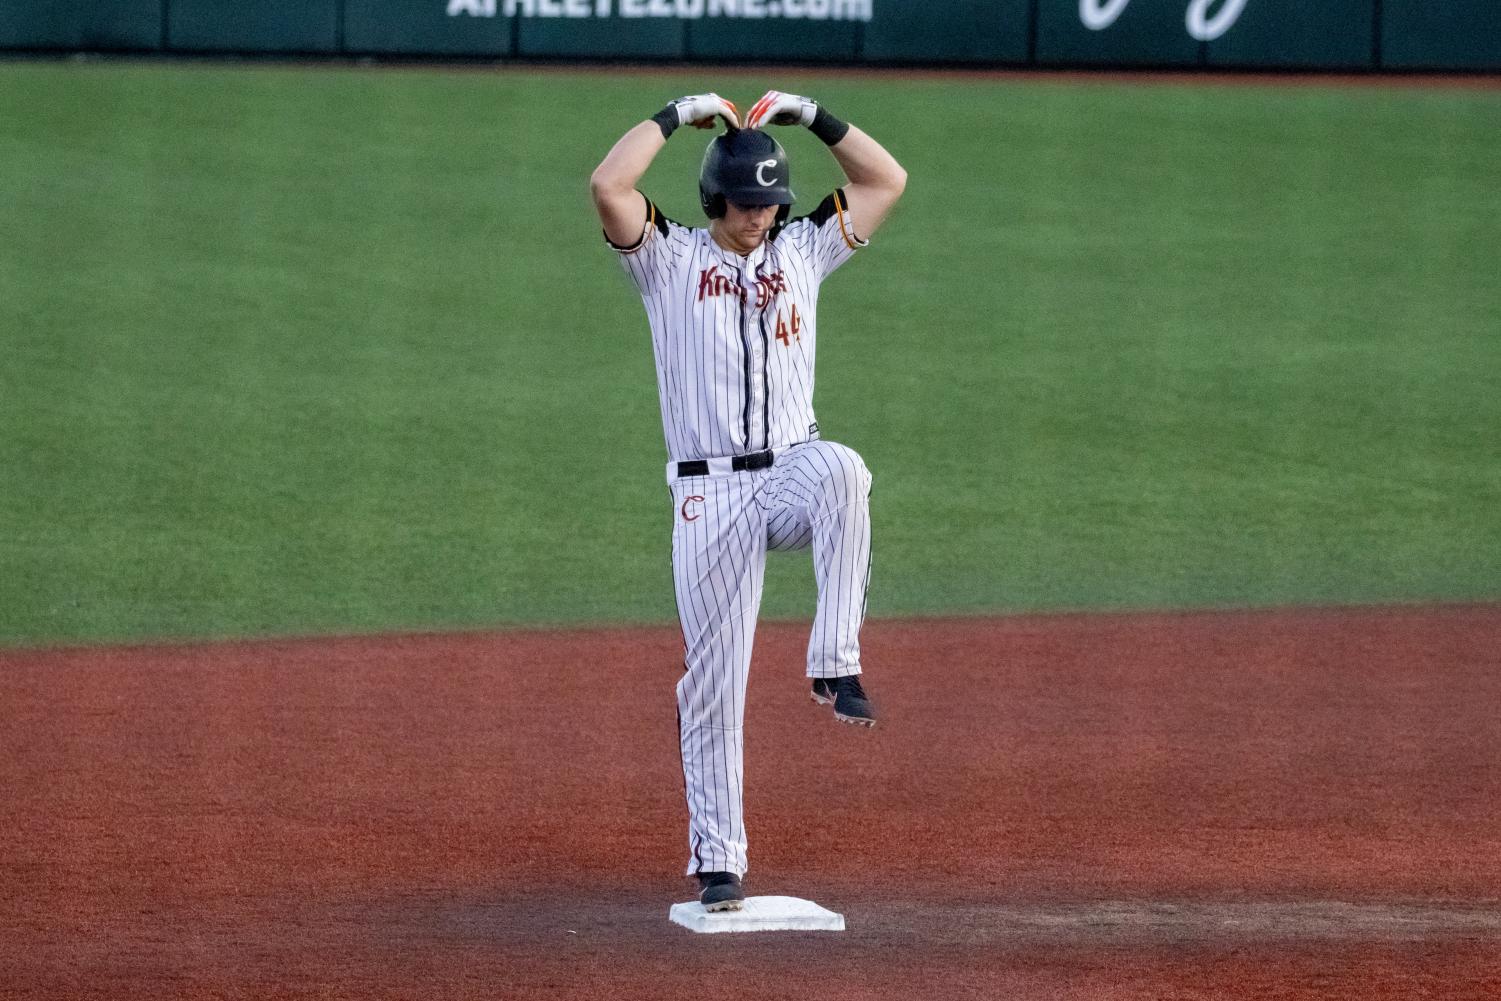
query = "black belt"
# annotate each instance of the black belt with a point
(739, 463)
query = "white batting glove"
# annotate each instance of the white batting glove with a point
(699, 110)
(777, 108)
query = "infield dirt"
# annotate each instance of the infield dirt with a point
(1220, 804)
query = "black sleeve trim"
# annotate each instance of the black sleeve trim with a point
(624, 250)
(837, 205)
(653, 218)
(827, 208)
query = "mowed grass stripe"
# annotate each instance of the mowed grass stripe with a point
(290, 350)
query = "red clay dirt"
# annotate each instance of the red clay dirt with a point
(1298, 804)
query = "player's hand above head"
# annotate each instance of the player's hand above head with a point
(777, 108)
(700, 110)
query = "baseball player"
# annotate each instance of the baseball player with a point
(733, 310)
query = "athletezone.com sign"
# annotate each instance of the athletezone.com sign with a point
(1337, 35)
(688, 10)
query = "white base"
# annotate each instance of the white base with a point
(759, 914)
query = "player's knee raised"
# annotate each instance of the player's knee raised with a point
(847, 479)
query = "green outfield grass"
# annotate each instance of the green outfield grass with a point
(296, 350)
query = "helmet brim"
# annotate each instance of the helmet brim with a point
(760, 199)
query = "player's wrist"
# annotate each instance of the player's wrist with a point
(826, 127)
(667, 120)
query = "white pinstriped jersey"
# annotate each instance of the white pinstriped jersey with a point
(734, 337)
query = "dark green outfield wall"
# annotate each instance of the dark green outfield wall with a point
(1272, 34)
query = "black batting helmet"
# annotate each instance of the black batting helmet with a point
(747, 167)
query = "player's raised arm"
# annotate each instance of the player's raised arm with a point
(876, 180)
(613, 183)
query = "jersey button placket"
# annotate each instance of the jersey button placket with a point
(753, 401)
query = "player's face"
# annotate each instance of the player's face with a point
(744, 227)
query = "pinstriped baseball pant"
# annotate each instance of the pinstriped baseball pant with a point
(816, 494)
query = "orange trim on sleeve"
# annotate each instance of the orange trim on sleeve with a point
(843, 230)
(651, 225)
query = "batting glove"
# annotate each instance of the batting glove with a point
(777, 108)
(698, 110)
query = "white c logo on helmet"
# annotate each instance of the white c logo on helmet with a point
(762, 166)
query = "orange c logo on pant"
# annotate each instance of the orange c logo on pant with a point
(684, 509)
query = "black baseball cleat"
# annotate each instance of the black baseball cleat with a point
(851, 704)
(720, 891)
